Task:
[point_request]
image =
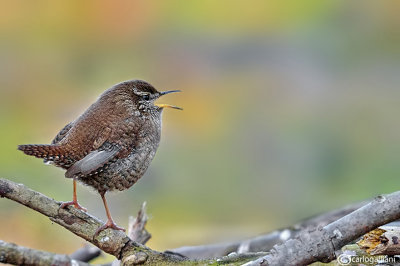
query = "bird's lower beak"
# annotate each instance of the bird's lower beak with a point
(163, 105)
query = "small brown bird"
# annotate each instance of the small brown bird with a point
(110, 146)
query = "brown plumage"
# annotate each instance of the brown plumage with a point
(110, 146)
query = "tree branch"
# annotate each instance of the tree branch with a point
(266, 241)
(11, 253)
(321, 244)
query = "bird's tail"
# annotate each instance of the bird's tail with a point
(47, 152)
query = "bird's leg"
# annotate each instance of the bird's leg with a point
(110, 223)
(74, 200)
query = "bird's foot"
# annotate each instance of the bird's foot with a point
(108, 224)
(75, 203)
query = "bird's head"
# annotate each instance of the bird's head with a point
(144, 96)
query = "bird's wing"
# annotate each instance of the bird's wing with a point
(106, 146)
(103, 151)
(93, 161)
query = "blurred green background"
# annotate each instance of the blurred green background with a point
(291, 109)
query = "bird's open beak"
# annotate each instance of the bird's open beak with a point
(163, 105)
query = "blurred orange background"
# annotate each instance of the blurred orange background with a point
(291, 109)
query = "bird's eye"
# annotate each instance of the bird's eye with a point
(146, 97)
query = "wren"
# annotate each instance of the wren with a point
(111, 145)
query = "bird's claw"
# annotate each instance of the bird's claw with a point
(74, 203)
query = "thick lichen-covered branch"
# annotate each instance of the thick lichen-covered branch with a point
(84, 225)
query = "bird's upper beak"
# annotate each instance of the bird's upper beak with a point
(163, 105)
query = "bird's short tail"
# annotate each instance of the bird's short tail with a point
(48, 152)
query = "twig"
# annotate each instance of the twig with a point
(136, 228)
(321, 244)
(86, 253)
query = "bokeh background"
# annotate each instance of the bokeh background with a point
(291, 109)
